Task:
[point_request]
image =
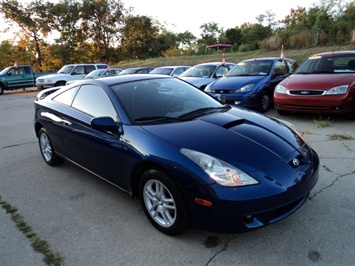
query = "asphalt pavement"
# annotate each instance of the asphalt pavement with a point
(86, 221)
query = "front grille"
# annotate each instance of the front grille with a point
(306, 92)
(303, 107)
(40, 80)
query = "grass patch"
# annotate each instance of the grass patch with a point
(322, 122)
(341, 137)
(37, 244)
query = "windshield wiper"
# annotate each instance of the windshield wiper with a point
(156, 118)
(204, 111)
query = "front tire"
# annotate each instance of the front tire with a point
(46, 148)
(264, 103)
(163, 203)
(2, 89)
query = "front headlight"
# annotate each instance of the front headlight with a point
(338, 90)
(280, 89)
(245, 88)
(220, 171)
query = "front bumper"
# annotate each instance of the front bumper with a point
(241, 209)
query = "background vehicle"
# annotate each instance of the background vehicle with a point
(136, 70)
(98, 73)
(202, 74)
(324, 83)
(147, 135)
(251, 83)
(18, 77)
(170, 70)
(67, 73)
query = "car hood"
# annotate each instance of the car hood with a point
(52, 76)
(241, 138)
(233, 83)
(198, 82)
(317, 81)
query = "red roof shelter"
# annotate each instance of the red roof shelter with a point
(219, 45)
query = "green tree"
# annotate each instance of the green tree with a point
(32, 22)
(102, 21)
(210, 34)
(65, 20)
(139, 37)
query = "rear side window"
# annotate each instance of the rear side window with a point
(89, 68)
(101, 66)
(66, 97)
(27, 69)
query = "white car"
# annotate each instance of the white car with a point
(67, 73)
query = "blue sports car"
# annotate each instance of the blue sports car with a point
(251, 83)
(154, 137)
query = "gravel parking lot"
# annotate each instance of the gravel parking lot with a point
(86, 221)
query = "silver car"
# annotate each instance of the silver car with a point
(203, 74)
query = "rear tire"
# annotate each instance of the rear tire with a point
(46, 148)
(163, 203)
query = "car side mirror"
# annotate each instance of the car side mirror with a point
(105, 124)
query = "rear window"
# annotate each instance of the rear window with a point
(101, 66)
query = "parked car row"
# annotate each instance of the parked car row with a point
(324, 83)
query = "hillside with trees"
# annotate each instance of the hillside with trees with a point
(50, 34)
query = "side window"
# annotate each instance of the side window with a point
(142, 71)
(89, 68)
(27, 69)
(101, 66)
(291, 66)
(78, 70)
(280, 68)
(66, 97)
(94, 101)
(221, 71)
(16, 71)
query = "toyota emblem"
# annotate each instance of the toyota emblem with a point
(296, 162)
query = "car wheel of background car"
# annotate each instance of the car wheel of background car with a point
(163, 203)
(60, 83)
(1, 89)
(47, 150)
(264, 104)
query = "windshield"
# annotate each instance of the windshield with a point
(251, 68)
(164, 71)
(336, 64)
(95, 73)
(65, 70)
(4, 71)
(164, 99)
(200, 71)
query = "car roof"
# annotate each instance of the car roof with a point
(336, 53)
(131, 77)
(267, 58)
(213, 63)
(171, 66)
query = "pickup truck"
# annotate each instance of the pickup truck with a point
(67, 73)
(18, 77)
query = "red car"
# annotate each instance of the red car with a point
(324, 83)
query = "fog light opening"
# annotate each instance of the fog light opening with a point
(248, 218)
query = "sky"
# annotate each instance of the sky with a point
(188, 15)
